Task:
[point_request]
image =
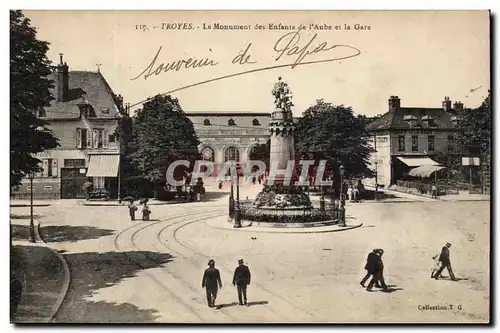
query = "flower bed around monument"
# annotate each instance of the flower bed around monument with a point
(282, 197)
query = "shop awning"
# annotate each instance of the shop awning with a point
(417, 161)
(103, 166)
(425, 170)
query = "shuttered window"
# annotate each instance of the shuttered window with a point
(105, 137)
(79, 138)
(54, 168)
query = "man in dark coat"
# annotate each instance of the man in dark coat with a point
(444, 258)
(378, 274)
(241, 279)
(211, 280)
(370, 266)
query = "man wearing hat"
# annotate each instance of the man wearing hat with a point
(370, 266)
(211, 280)
(444, 258)
(378, 274)
(241, 279)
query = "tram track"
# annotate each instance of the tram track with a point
(141, 227)
(192, 289)
(197, 252)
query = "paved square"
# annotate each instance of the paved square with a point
(124, 271)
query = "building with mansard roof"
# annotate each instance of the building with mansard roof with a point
(83, 115)
(409, 137)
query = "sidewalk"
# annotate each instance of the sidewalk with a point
(412, 197)
(152, 202)
(27, 203)
(43, 278)
(465, 196)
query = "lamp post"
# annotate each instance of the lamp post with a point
(237, 211)
(32, 224)
(342, 203)
(322, 199)
(231, 201)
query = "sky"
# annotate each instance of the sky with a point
(420, 56)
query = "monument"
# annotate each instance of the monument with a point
(279, 192)
(282, 203)
(281, 131)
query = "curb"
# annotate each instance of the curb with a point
(67, 275)
(34, 205)
(280, 230)
(125, 205)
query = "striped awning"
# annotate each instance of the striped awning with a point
(417, 161)
(103, 166)
(425, 170)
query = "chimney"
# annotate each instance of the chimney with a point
(62, 82)
(458, 106)
(447, 104)
(394, 103)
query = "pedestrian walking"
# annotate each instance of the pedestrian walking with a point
(220, 185)
(211, 282)
(132, 208)
(241, 279)
(355, 193)
(444, 258)
(260, 179)
(349, 193)
(434, 191)
(145, 211)
(378, 275)
(370, 266)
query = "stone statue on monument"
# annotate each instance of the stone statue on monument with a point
(282, 95)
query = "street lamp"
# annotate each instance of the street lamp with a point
(237, 217)
(342, 203)
(231, 201)
(322, 199)
(32, 224)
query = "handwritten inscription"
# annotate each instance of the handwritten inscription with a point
(157, 69)
(288, 46)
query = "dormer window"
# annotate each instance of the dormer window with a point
(105, 111)
(411, 119)
(87, 111)
(429, 121)
(454, 120)
(255, 122)
(231, 122)
(206, 122)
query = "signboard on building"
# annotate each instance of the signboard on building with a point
(470, 161)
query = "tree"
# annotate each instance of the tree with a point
(162, 134)
(131, 182)
(29, 70)
(476, 130)
(333, 133)
(261, 152)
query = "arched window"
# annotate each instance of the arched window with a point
(206, 122)
(231, 122)
(232, 154)
(255, 122)
(207, 154)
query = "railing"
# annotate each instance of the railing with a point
(286, 215)
(36, 196)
